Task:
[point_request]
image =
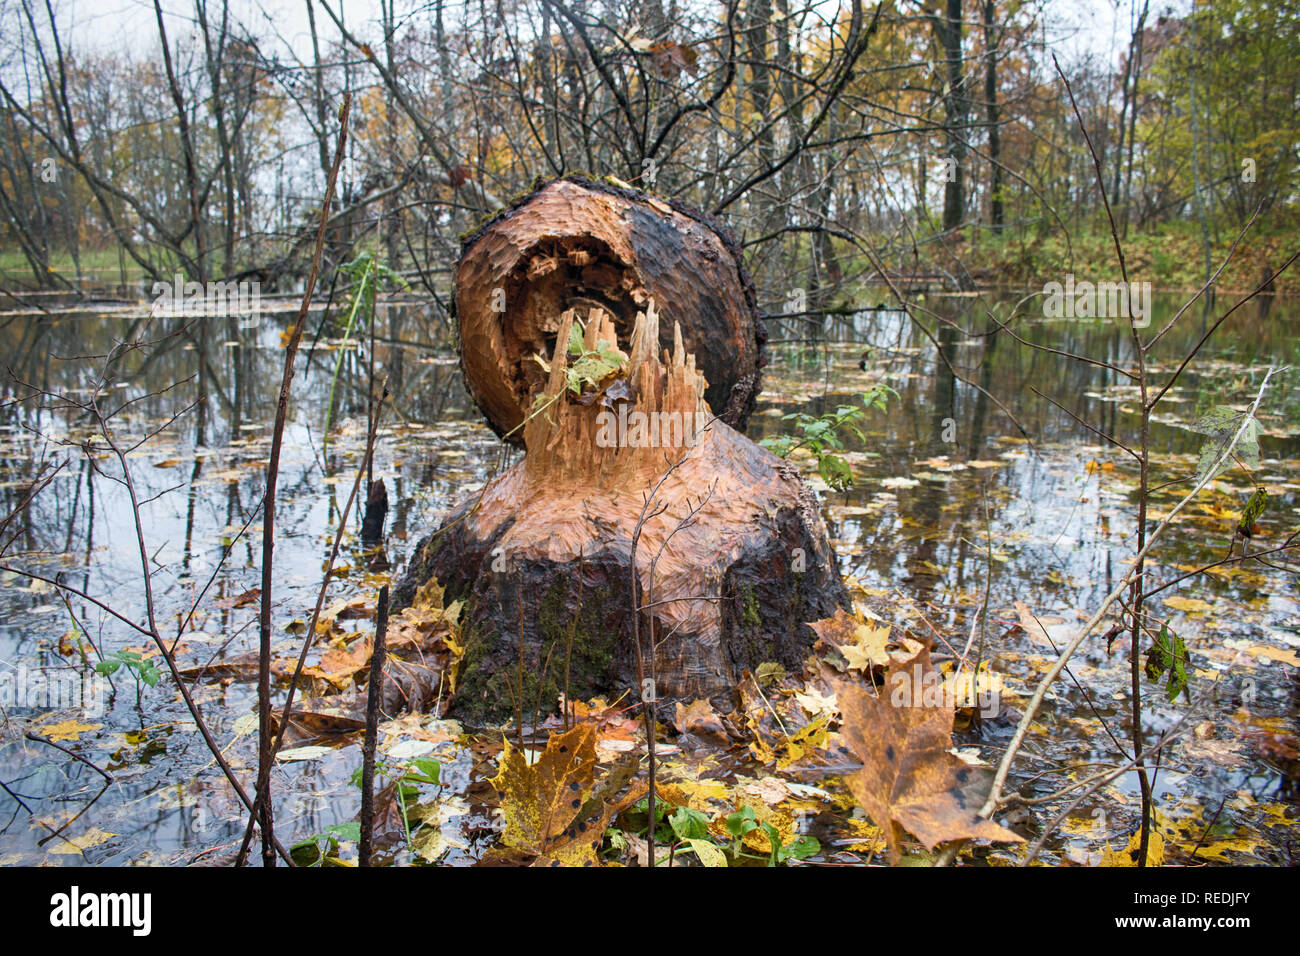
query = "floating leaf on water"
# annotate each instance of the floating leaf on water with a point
(66, 730)
(75, 845)
(1129, 855)
(302, 753)
(410, 748)
(244, 724)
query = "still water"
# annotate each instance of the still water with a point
(992, 468)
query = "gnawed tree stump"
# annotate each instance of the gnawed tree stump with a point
(731, 553)
(577, 242)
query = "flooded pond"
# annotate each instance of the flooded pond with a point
(951, 496)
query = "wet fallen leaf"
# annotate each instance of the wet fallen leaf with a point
(238, 667)
(239, 600)
(319, 716)
(868, 650)
(66, 730)
(344, 609)
(341, 666)
(75, 845)
(1035, 625)
(1129, 855)
(429, 844)
(909, 779)
(541, 800)
(860, 643)
(1274, 654)
(302, 753)
(699, 718)
(1193, 606)
(708, 853)
(707, 796)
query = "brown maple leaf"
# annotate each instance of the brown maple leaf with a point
(699, 718)
(340, 666)
(670, 59)
(909, 779)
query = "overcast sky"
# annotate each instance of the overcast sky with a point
(1079, 26)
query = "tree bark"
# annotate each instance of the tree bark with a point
(996, 215)
(948, 30)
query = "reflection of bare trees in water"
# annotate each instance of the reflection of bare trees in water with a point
(99, 426)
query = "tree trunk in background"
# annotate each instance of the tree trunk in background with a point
(758, 25)
(948, 29)
(1138, 36)
(996, 217)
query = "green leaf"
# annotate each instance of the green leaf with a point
(779, 445)
(346, 831)
(575, 338)
(661, 808)
(424, 770)
(835, 471)
(1177, 683)
(773, 841)
(741, 822)
(1250, 514)
(1159, 655)
(803, 847)
(689, 824)
(1168, 655)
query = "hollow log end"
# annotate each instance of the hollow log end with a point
(580, 243)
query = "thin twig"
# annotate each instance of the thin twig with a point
(374, 700)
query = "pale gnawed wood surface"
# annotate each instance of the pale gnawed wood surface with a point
(577, 244)
(544, 551)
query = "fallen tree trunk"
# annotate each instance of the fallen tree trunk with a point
(630, 469)
(580, 243)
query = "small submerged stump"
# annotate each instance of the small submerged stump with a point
(731, 554)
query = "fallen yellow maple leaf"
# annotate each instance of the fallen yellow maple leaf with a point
(542, 801)
(868, 649)
(861, 643)
(75, 845)
(1128, 855)
(66, 730)
(817, 704)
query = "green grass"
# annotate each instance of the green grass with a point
(1170, 255)
(100, 265)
